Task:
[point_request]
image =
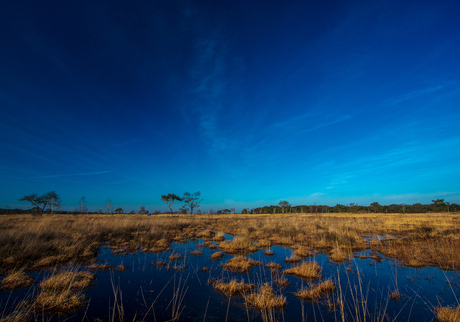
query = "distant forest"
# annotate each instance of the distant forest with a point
(438, 205)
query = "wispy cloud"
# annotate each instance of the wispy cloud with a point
(71, 175)
(415, 94)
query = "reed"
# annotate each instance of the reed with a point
(316, 291)
(15, 280)
(308, 270)
(232, 287)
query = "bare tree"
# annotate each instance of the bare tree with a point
(108, 206)
(41, 202)
(82, 205)
(55, 203)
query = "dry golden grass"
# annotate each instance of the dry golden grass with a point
(241, 264)
(269, 252)
(219, 237)
(282, 281)
(197, 252)
(303, 251)
(308, 270)
(174, 257)
(206, 234)
(217, 256)
(233, 287)
(237, 245)
(292, 259)
(58, 292)
(67, 281)
(16, 280)
(315, 292)
(99, 267)
(264, 243)
(448, 314)
(265, 298)
(44, 241)
(273, 265)
(65, 301)
(339, 254)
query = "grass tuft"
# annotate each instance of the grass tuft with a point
(241, 264)
(233, 287)
(16, 280)
(315, 292)
(308, 270)
(447, 314)
(217, 256)
(265, 298)
(68, 281)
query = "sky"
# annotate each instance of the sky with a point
(248, 102)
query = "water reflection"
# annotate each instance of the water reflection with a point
(181, 290)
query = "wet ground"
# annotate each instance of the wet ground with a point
(181, 289)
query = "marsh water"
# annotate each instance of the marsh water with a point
(182, 291)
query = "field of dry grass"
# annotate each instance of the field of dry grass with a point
(29, 243)
(33, 242)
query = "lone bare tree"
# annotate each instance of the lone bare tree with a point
(108, 206)
(192, 201)
(55, 203)
(82, 205)
(41, 202)
(169, 200)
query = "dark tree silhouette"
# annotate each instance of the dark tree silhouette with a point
(169, 200)
(192, 201)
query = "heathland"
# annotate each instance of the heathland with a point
(31, 243)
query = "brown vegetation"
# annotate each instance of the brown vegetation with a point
(448, 314)
(265, 298)
(16, 280)
(217, 256)
(308, 270)
(60, 292)
(233, 287)
(35, 242)
(315, 292)
(241, 264)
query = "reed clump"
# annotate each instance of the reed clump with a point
(15, 280)
(293, 259)
(308, 270)
(265, 298)
(339, 254)
(315, 292)
(303, 251)
(99, 267)
(273, 265)
(217, 256)
(65, 301)
(237, 245)
(68, 281)
(241, 264)
(447, 314)
(233, 287)
(61, 292)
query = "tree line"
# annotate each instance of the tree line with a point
(53, 202)
(438, 205)
(50, 202)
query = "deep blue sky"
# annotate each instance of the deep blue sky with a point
(249, 102)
